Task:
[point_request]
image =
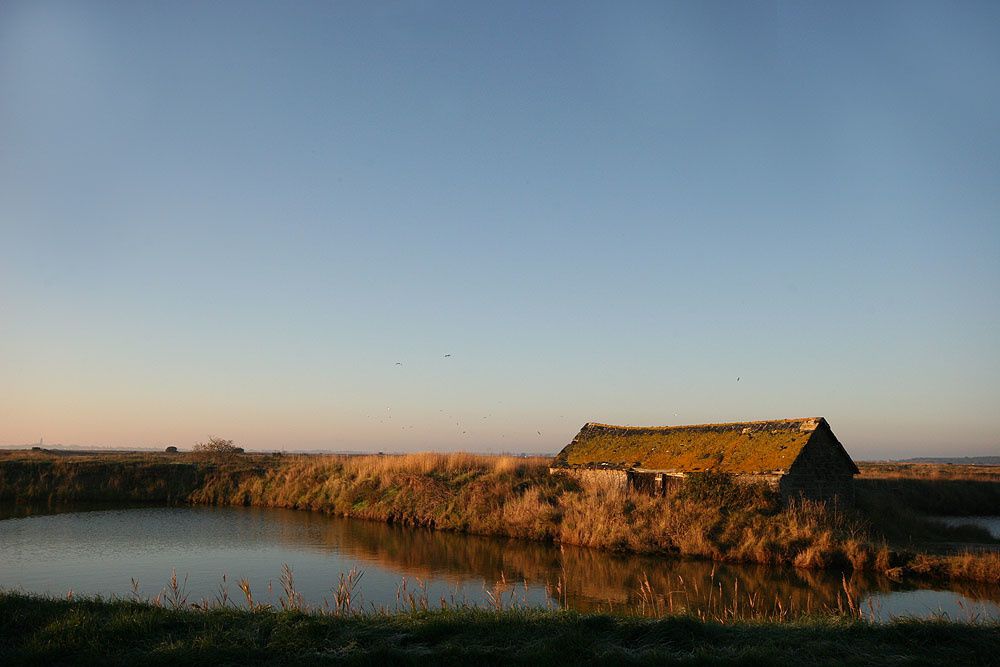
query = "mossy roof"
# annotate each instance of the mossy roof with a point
(739, 447)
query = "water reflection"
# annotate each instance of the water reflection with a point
(21, 510)
(100, 551)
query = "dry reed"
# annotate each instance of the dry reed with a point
(502, 496)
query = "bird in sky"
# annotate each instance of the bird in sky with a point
(737, 379)
(399, 363)
(447, 355)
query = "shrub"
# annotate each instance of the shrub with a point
(721, 490)
(217, 448)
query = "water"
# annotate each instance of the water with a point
(990, 523)
(101, 551)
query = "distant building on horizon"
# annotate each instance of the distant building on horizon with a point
(798, 457)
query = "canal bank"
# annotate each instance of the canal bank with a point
(511, 497)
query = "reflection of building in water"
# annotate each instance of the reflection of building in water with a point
(796, 456)
(585, 579)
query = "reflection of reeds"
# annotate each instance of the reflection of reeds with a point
(723, 603)
(712, 599)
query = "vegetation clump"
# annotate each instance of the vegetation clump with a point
(217, 448)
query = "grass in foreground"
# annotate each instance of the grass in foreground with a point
(36, 630)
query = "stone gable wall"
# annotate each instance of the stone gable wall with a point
(820, 473)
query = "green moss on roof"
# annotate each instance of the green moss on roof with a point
(741, 447)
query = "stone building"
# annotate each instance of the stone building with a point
(799, 457)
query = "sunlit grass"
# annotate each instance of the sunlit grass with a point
(517, 497)
(894, 470)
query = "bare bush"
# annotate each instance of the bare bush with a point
(217, 447)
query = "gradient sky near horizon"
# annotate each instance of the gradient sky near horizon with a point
(273, 221)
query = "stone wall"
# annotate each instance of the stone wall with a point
(821, 472)
(654, 483)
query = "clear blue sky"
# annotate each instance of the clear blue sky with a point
(236, 218)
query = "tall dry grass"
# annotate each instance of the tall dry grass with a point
(934, 471)
(504, 496)
(712, 517)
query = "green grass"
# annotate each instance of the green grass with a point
(43, 631)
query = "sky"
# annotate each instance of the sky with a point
(273, 222)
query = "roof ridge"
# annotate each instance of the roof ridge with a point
(744, 423)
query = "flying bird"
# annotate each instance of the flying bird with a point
(447, 355)
(399, 363)
(737, 379)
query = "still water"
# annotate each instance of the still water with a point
(103, 551)
(990, 523)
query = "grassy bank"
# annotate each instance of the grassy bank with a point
(513, 497)
(44, 631)
(932, 488)
(929, 471)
